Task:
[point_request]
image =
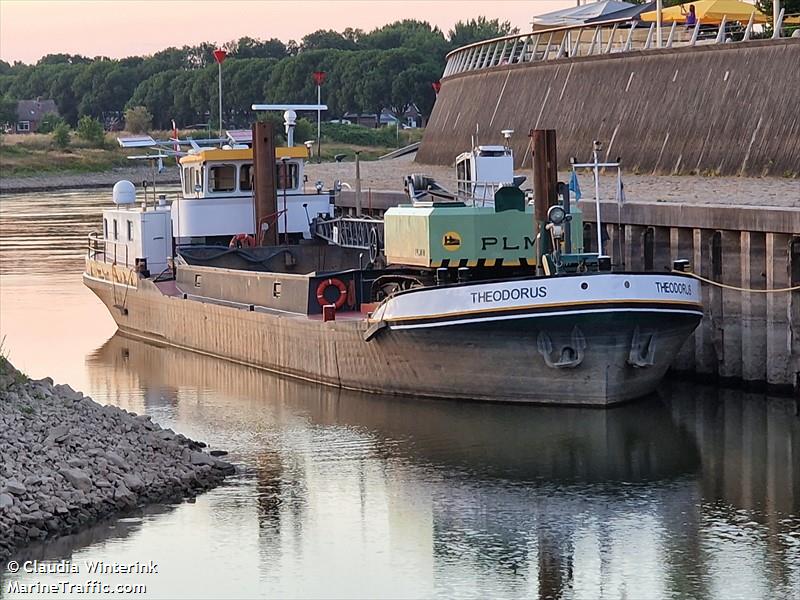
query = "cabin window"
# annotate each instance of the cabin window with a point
(491, 153)
(188, 181)
(222, 178)
(286, 176)
(116, 232)
(130, 231)
(246, 177)
(105, 229)
(464, 176)
(24, 126)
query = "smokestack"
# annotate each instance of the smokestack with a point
(266, 195)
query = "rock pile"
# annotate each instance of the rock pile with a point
(67, 462)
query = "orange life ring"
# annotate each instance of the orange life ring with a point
(242, 240)
(324, 285)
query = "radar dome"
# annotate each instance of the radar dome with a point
(124, 192)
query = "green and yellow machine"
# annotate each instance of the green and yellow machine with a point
(452, 234)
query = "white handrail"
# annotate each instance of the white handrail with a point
(567, 42)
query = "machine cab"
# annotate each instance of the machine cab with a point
(481, 172)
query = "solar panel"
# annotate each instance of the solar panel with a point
(136, 141)
(240, 136)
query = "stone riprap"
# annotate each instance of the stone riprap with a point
(67, 462)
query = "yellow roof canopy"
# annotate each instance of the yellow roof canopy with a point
(216, 154)
(710, 12)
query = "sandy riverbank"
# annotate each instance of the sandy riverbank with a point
(388, 175)
(69, 462)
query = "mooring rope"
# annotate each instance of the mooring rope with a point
(735, 288)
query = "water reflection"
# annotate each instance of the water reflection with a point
(694, 493)
(691, 493)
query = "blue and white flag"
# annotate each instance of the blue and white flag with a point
(574, 186)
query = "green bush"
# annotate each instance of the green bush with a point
(61, 135)
(304, 129)
(138, 119)
(49, 123)
(91, 130)
(358, 135)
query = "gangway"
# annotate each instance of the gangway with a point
(400, 151)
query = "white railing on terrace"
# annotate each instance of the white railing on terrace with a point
(606, 37)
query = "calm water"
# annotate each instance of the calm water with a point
(693, 493)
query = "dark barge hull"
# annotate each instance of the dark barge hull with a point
(499, 361)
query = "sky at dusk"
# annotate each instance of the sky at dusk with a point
(30, 29)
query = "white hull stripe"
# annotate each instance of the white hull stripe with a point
(697, 313)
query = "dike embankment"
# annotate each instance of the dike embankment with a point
(727, 109)
(69, 462)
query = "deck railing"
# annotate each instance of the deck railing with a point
(98, 249)
(605, 37)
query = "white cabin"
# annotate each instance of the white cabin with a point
(217, 198)
(481, 172)
(135, 233)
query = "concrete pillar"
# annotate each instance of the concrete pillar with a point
(731, 365)
(661, 249)
(779, 336)
(705, 351)
(681, 246)
(794, 313)
(590, 237)
(681, 243)
(754, 306)
(616, 246)
(634, 247)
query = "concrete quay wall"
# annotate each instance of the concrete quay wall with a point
(729, 109)
(752, 337)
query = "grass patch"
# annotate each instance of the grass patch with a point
(6, 368)
(35, 154)
(330, 150)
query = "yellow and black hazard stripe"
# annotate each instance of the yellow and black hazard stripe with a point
(482, 263)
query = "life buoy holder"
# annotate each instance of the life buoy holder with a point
(242, 240)
(323, 287)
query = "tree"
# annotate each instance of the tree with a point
(327, 39)
(49, 123)
(476, 30)
(405, 33)
(247, 47)
(138, 119)
(91, 130)
(8, 109)
(60, 59)
(61, 135)
(791, 7)
(202, 55)
(61, 90)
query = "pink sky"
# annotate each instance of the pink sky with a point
(31, 29)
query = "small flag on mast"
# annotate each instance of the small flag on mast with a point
(574, 186)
